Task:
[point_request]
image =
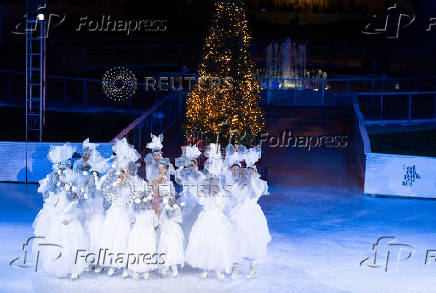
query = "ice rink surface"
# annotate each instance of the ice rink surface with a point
(319, 238)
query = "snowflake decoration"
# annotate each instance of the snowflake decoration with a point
(119, 84)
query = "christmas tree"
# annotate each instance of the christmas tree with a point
(225, 102)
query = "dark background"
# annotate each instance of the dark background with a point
(332, 34)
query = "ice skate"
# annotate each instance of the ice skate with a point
(234, 271)
(219, 275)
(75, 276)
(204, 274)
(136, 276)
(164, 271)
(252, 272)
(175, 272)
(125, 274)
(146, 275)
(111, 272)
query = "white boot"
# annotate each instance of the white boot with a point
(174, 271)
(136, 276)
(111, 272)
(204, 274)
(219, 275)
(234, 270)
(164, 271)
(146, 275)
(125, 274)
(98, 269)
(252, 272)
(75, 276)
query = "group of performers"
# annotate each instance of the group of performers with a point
(99, 214)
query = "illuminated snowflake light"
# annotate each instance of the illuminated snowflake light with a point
(119, 84)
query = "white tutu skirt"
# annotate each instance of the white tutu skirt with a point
(114, 235)
(251, 230)
(93, 221)
(190, 215)
(59, 257)
(41, 225)
(211, 242)
(142, 242)
(171, 243)
(93, 225)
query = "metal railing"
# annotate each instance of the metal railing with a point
(157, 119)
(358, 84)
(361, 144)
(74, 92)
(380, 99)
(385, 107)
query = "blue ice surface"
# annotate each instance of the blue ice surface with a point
(19, 203)
(319, 237)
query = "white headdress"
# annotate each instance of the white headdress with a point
(213, 151)
(214, 162)
(156, 142)
(234, 155)
(87, 145)
(252, 156)
(61, 154)
(189, 153)
(192, 152)
(125, 153)
(96, 161)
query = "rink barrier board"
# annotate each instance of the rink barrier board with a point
(19, 160)
(388, 175)
(398, 196)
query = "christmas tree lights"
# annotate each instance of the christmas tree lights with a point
(228, 110)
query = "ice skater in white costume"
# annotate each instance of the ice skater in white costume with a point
(62, 226)
(211, 241)
(50, 187)
(117, 189)
(153, 159)
(171, 239)
(249, 222)
(189, 177)
(66, 229)
(88, 170)
(142, 239)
